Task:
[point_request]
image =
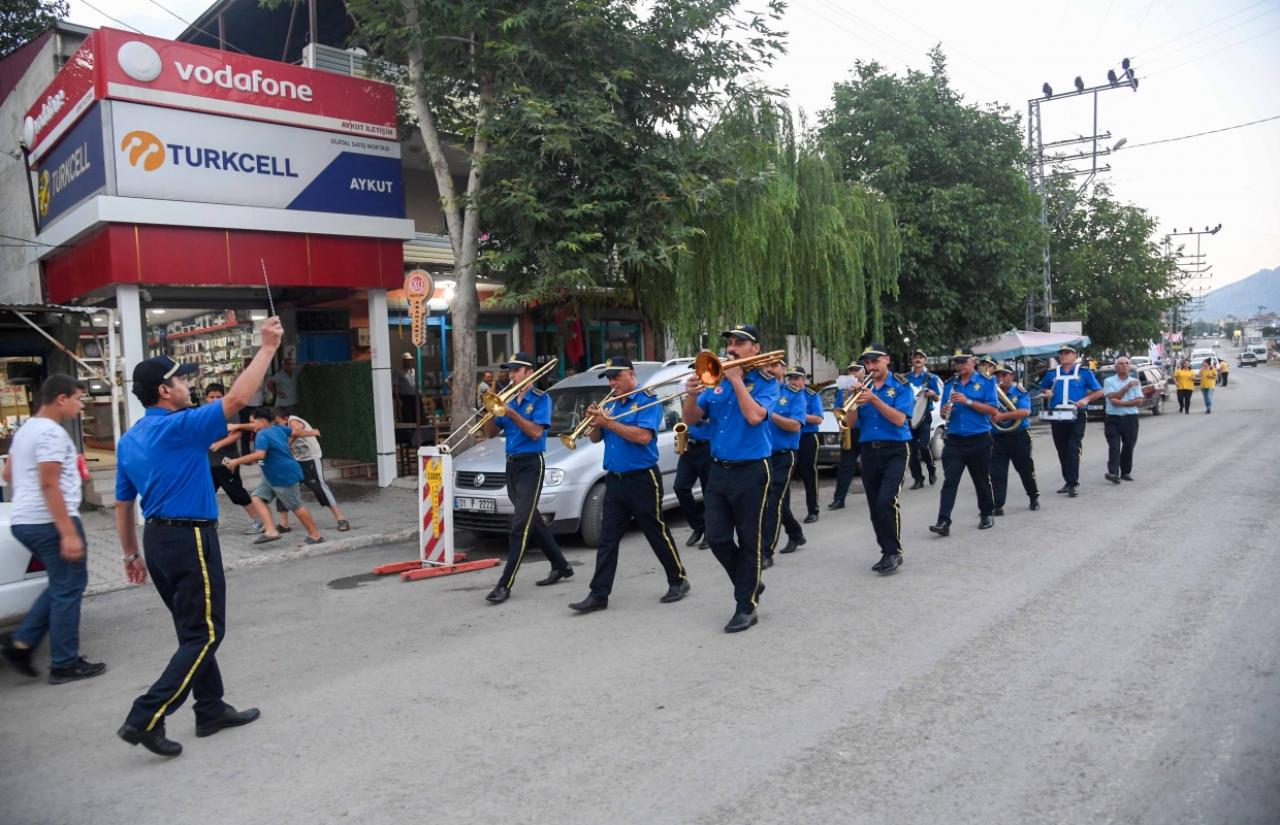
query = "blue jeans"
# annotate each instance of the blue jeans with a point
(1208, 399)
(57, 611)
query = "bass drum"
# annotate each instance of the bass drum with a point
(937, 441)
(921, 408)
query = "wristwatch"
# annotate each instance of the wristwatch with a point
(127, 559)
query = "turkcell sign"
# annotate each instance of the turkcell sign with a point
(73, 171)
(170, 154)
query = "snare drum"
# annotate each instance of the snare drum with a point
(1067, 413)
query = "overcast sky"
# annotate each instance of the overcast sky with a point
(1202, 66)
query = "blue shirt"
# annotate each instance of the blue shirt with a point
(1113, 384)
(926, 381)
(789, 404)
(1069, 386)
(279, 468)
(813, 407)
(701, 431)
(621, 455)
(733, 439)
(536, 407)
(964, 420)
(1022, 400)
(872, 426)
(164, 457)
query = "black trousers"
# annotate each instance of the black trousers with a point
(920, 452)
(408, 408)
(524, 485)
(1223, 377)
(884, 465)
(635, 495)
(1012, 448)
(693, 467)
(229, 482)
(735, 504)
(313, 481)
(1184, 400)
(777, 508)
(1068, 438)
(972, 453)
(185, 564)
(847, 468)
(1122, 436)
(807, 468)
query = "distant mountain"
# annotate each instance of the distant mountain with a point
(1243, 298)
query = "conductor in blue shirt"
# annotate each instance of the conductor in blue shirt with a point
(786, 419)
(1011, 443)
(1070, 385)
(163, 459)
(525, 424)
(1123, 392)
(629, 428)
(738, 408)
(968, 400)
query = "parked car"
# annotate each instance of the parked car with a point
(830, 436)
(1259, 353)
(1155, 390)
(22, 576)
(1248, 359)
(573, 486)
(1140, 361)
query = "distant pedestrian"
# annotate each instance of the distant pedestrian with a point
(485, 385)
(1184, 379)
(163, 459)
(1123, 394)
(404, 385)
(285, 386)
(44, 475)
(304, 443)
(229, 480)
(1208, 380)
(1224, 370)
(281, 475)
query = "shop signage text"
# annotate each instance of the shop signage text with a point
(62, 104)
(71, 172)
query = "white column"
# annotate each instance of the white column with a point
(133, 345)
(384, 417)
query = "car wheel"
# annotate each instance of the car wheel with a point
(593, 515)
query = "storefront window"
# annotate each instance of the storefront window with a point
(220, 341)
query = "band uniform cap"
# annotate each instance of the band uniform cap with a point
(746, 332)
(987, 359)
(155, 371)
(962, 355)
(520, 359)
(614, 366)
(855, 365)
(875, 350)
(919, 352)
(1005, 368)
(1068, 348)
(795, 372)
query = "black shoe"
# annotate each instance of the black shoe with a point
(917, 484)
(694, 538)
(555, 576)
(933, 477)
(740, 622)
(1112, 477)
(1066, 488)
(19, 657)
(942, 528)
(1074, 491)
(811, 518)
(766, 563)
(986, 523)
(889, 564)
(1126, 478)
(999, 511)
(82, 669)
(676, 592)
(836, 505)
(1035, 503)
(498, 595)
(590, 604)
(793, 545)
(230, 718)
(153, 740)
(704, 544)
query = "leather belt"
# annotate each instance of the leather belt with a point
(183, 522)
(730, 465)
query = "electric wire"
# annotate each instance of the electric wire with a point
(112, 19)
(189, 24)
(1201, 134)
(1151, 50)
(1162, 58)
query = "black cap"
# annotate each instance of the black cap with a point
(855, 365)
(614, 366)
(987, 359)
(875, 350)
(746, 332)
(1004, 368)
(962, 355)
(919, 352)
(796, 372)
(520, 359)
(153, 372)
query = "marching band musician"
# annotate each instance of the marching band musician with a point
(1013, 446)
(848, 466)
(882, 415)
(808, 457)
(967, 401)
(739, 477)
(931, 385)
(633, 485)
(785, 422)
(692, 466)
(525, 424)
(1070, 385)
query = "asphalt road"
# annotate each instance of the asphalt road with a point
(1112, 658)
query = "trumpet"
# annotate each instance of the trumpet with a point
(494, 405)
(709, 368)
(841, 413)
(588, 423)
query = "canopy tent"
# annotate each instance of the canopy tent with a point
(1023, 344)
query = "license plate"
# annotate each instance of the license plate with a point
(484, 505)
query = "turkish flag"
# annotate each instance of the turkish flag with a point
(571, 326)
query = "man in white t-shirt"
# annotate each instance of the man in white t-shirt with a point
(304, 444)
(45, 473)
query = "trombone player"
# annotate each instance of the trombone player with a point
(525, 422)
(633, 484)
(1011, 442)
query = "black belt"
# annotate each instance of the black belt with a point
(1000, 433)
(966, 437)
(699, 442)
(523, 456)
(879, 445)
(782, 452)
(183, 522)
(630, 473)
(729, 465)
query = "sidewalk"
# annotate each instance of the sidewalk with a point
(377, 516)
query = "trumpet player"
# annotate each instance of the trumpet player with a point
(632, 484)
(738, 407)
(967, 402)
(786, 419)
(1012, 446)
(525, 423)
(848, 466)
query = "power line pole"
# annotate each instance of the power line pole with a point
(1193, 267)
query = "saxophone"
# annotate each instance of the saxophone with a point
(681, 430)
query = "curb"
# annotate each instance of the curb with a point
(326, 548)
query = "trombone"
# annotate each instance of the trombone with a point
(709, 368)
(494, 405)
(588, 422)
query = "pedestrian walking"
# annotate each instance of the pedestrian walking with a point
(1184, 380)
(162, 459)
(304, 444)
(229, 481)
(968, 402)
(281, 476)
(1224, 371)
(1208, 380)
(44, 476)
(1123, 394)
(404, 385)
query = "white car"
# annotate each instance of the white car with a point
(22, 576)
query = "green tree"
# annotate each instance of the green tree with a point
(577, 120)
(953, 173)
(1108, 271)
(21, 20)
